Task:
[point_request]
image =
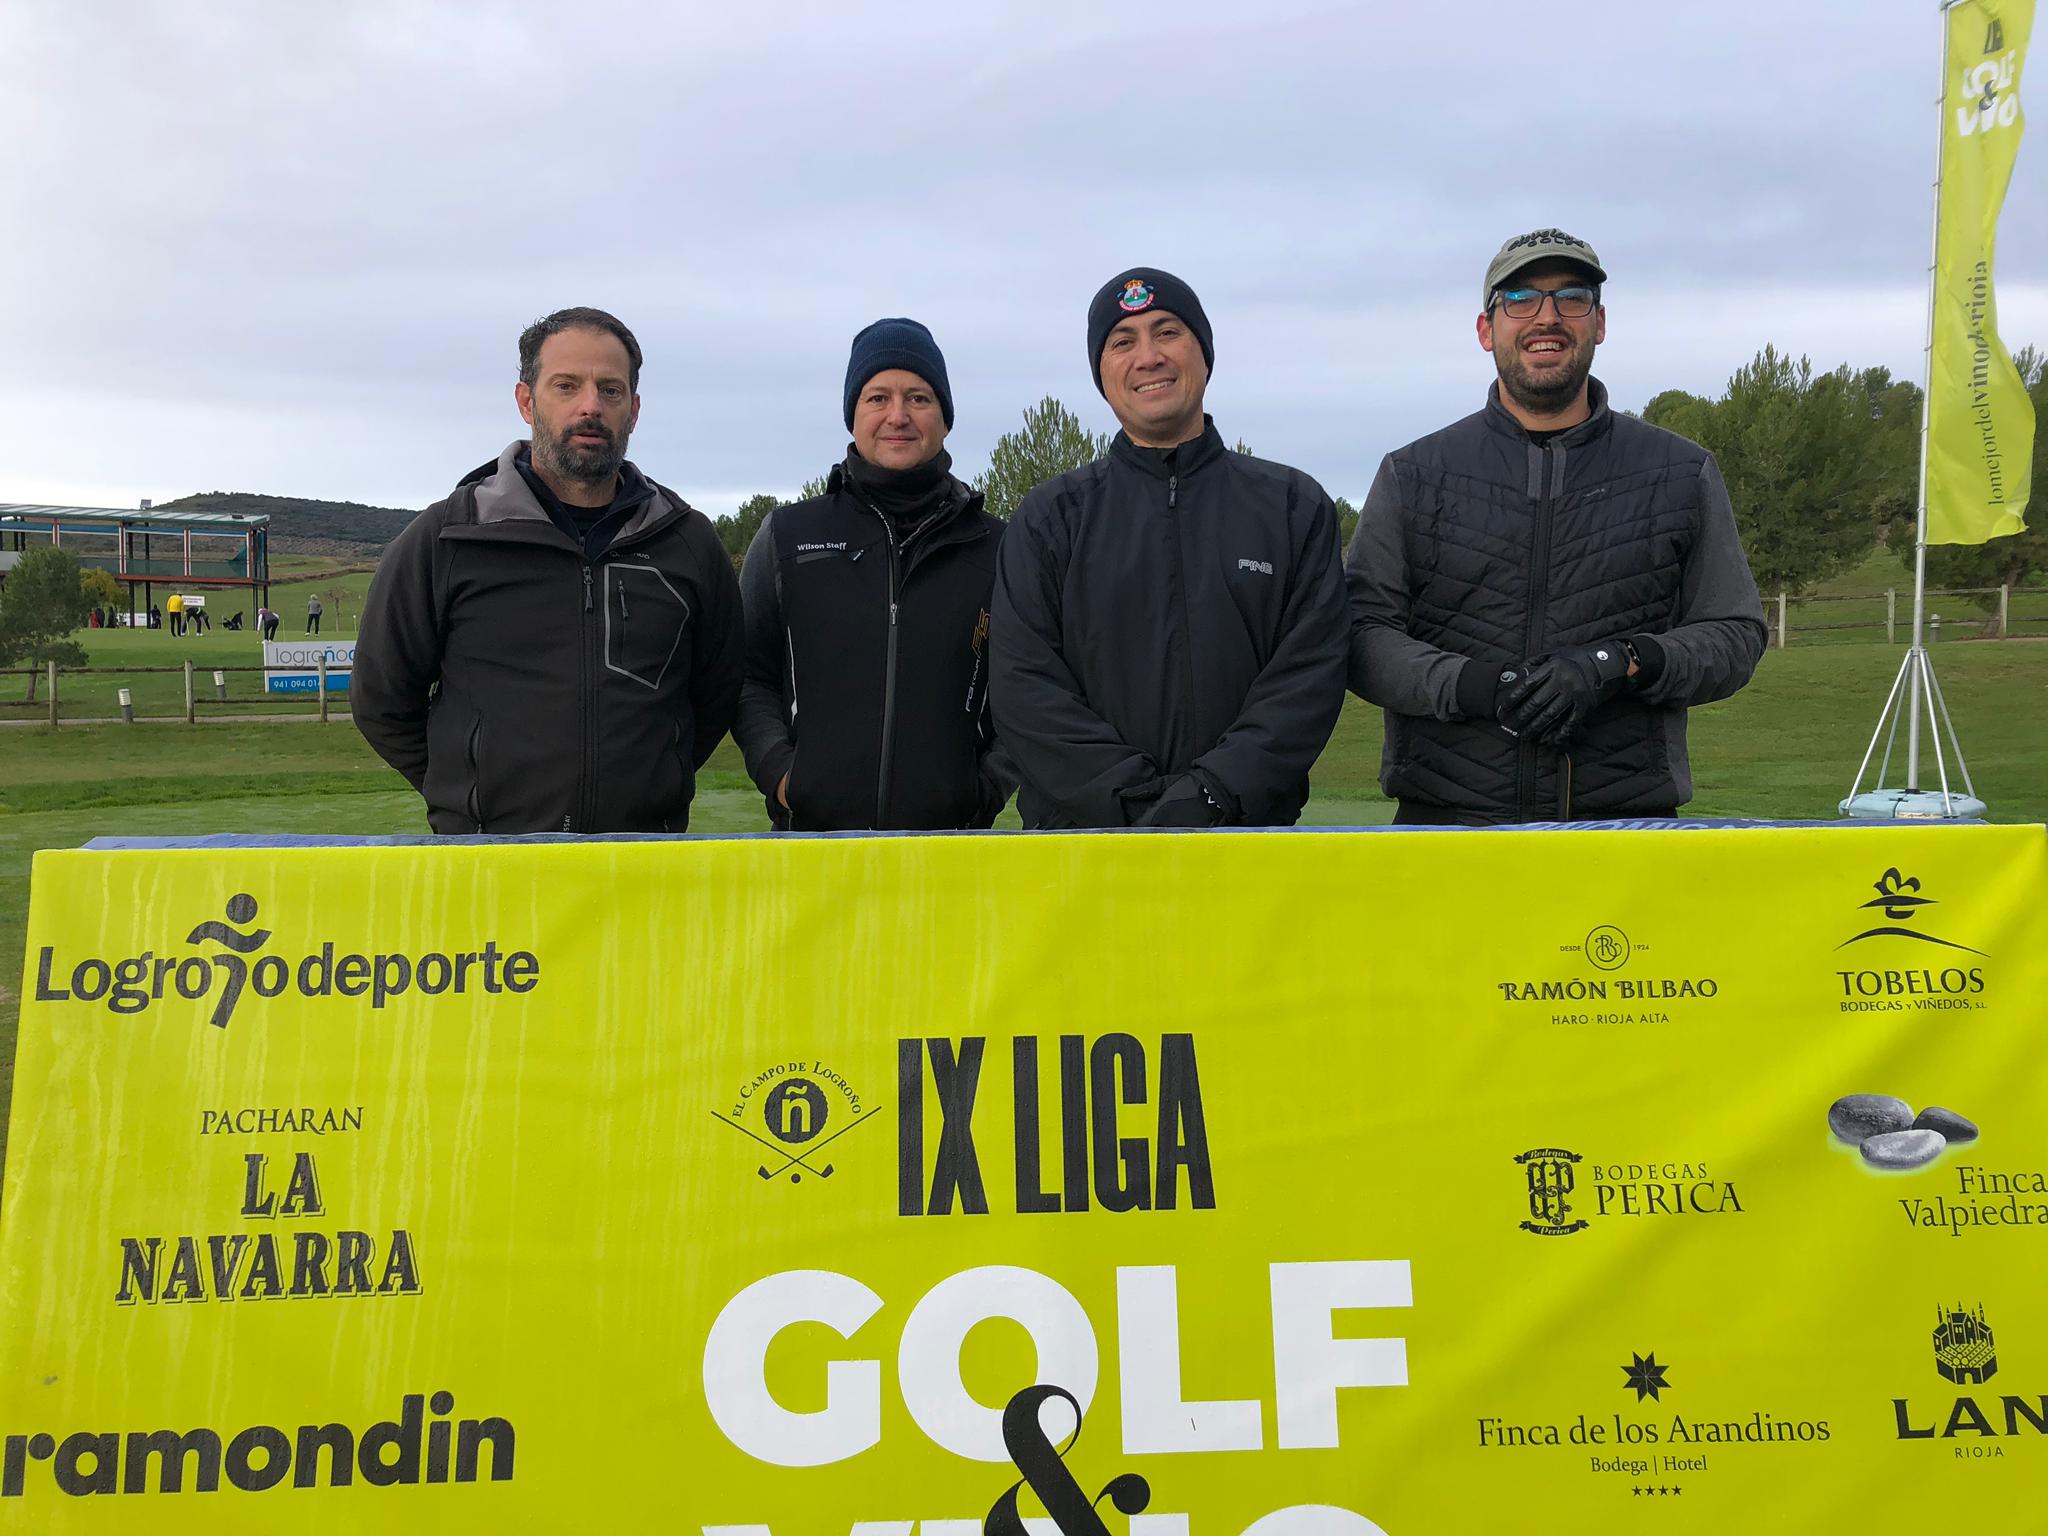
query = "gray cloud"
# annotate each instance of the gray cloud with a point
(289, 249)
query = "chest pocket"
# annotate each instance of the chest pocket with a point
(644, 617)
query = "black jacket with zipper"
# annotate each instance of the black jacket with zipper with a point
(1166, 616)
(522, 688)
(1480, 546)
(867, 666)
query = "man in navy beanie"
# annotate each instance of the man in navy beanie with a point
(1169, 641)
(868, 607)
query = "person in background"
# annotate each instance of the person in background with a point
(313, 615)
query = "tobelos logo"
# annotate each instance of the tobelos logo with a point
(135, 983)
(794, 1103)
(1899, 900)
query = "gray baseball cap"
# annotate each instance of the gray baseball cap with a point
(1538, 245)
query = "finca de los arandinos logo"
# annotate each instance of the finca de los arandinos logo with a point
(236, 965)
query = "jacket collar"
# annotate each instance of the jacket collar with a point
(1188, 456)
(1597, 420)
(964, 507)
(503, 498)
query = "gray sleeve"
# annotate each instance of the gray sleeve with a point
(1389, 666)
(766, 737)
(1719, 636)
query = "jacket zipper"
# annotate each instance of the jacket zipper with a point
(886, 772)
(1187, 649)
(1539, 604)
(587, 710)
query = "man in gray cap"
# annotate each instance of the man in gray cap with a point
(1541, 590)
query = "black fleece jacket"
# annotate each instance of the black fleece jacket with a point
(867, 664)
(521, 687)
(1168, 628)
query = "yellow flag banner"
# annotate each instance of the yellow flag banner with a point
(1313, 1184)
(1980, 423)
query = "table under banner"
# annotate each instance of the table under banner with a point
(1305, 1184)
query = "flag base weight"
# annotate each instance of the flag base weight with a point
(1913, 689)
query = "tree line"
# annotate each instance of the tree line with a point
(1821, 468)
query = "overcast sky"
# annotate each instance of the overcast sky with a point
(289, 248)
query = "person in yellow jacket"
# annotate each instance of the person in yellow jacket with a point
(174, 609)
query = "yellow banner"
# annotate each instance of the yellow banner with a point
(1318, 1184)
(1980, 423)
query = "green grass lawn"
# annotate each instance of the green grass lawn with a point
(117, 658)
(1785, 748)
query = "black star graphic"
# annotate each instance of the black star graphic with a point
(1637, 1492)
(1646, 1376)
(1678, 1490)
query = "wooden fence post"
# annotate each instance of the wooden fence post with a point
(191, 710)
(1781, 620)
(1891, 615)
(53, 694)
(323, 687)
(2004, 610)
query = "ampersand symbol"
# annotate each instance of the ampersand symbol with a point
(1045, 1471)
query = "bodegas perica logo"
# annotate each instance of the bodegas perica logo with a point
(1566, 1193)
(793, 1111)
(224, 960)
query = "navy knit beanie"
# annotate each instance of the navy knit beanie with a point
(897, 343)
(1137, 292)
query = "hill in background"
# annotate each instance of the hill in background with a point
(303, 527)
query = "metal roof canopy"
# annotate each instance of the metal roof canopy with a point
(22, 517)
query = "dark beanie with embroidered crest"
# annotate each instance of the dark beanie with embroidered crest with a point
(897, 343)
(1137, 292)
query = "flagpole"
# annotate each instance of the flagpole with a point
(1916, 654)
(1916, 673)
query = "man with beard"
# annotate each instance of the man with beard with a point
(866, 697)
(556, 646)
(1540, 591)
(1169, 620)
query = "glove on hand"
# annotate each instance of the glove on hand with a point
(1558, 691)
(1183, 803)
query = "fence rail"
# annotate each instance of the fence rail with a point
(1999, 624)
(52, 674)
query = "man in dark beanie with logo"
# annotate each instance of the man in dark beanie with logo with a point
(1169, 620)
(865, 704)
(1540, 591)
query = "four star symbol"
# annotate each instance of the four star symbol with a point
(1646, 1376)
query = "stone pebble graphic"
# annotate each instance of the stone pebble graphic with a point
(1890, 1136)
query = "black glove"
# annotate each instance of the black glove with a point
(1558, 691)
(1184, 802)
